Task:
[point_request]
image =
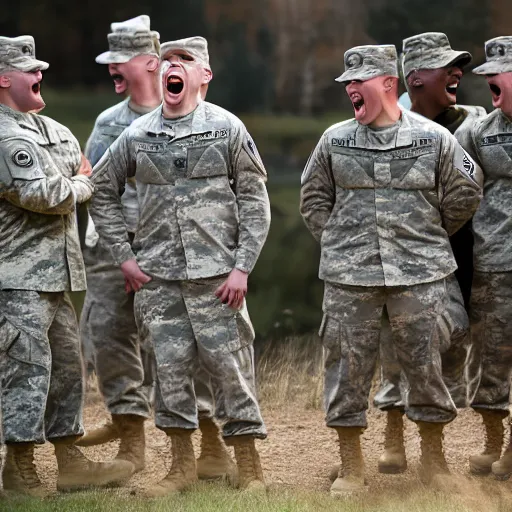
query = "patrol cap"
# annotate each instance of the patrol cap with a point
(129, 39)
(431, 50)
(498, 54)
(196, 46)
(19, 53)
(370, 61)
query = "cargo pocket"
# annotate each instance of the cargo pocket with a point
(330, 334)
(8, 335)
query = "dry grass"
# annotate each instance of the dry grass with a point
(291, 372)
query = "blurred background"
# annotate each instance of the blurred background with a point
(274, 64)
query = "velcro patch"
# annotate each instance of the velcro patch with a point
(149, 147)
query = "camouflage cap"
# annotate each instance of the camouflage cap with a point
(431, 50)
(366, 62)
(196, 46)
(498, 53)
(129, 39)
(19, 53)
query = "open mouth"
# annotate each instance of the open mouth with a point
(36, 88)
(452, 88)
(118, 79)
(174, 84)
(357, 101)
(495, 90)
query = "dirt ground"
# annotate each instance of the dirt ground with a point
(300, 450)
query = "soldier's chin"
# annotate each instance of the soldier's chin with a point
(120, 87)
(36, 104)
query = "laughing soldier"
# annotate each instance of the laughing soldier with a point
(489, 141)
(42, 177)
(109, 332)
(204, 216)
(432, 71)
(382, 193)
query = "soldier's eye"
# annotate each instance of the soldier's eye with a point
(183, 56)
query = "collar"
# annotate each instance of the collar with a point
(403, 137)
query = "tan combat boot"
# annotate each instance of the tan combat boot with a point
(250, 473)
(433, 464)
(20, 472)
(77, 472)
(393, 459)
(183, 472)
(502, 469)
(100, 435)
(493, 422)
(214, 462)
(351, 473)
(133, 441)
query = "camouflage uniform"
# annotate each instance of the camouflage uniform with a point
(107, 323)
(489, 141)
(40, 262)
(370, 197)
(203, 211)
(432, 50)
(109, 331)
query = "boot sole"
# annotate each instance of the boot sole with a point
(114, 479)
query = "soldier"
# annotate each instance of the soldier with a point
(108, 322)
(108, 329)
(204, 216)
(42, 177)
(489, 141)
(382, 193)
(432, 71)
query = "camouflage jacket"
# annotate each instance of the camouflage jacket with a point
(39, 189)
(383, 216)
(489, 142)
(109, 125)
(459, 117)
(204, 208)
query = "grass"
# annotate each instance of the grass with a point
(213, 498)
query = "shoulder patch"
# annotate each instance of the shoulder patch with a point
(464, 163)
(20, 159)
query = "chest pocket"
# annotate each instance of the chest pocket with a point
(497, 160)
(352, 172)
(416, 173)
(208, 160)
(148, 170)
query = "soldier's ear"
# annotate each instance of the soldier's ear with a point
(153, 63)
(414, 79)
(389, 83)
(5, 82)
(207, 76)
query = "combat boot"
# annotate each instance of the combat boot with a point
(433, 463)
(77, 472)
(502, 468)
(20, 473)
(250, 473)
(393, 459)
(133, 441)
(100, 435)
(351, 473)
(214, 462)
(183, 471)
(493, 422)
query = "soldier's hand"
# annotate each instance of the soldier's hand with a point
(85, 167)
(134, 278)
(233, 291)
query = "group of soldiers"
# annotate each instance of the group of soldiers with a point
(174, 216)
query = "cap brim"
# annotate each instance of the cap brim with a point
(493, 67)
(460, 58)
(114, 57)
(29, 65)
(358, 74)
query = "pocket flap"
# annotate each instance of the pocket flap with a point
(8, 335)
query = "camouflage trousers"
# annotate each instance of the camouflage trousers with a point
(191, 331)
(491, 334)
(453, 333)
(124, 367)
(350, 331)
(40, 367)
